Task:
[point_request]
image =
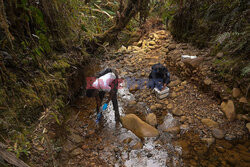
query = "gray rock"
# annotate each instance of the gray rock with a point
(218, 133)
(230, 137)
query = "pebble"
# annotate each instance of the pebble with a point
(236, 92)
(151, 119)
(127, 140)
(177, 112)
(243, 100)
(218, 133)
(209, 141)
(137, 146)
(183, 119)
(248, 127)
(210, 123)
(170, 106)
(173, 130)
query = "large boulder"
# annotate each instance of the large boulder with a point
(193, 63)
(140, 128)
(229, 110)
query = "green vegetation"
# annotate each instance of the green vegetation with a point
(42, 43)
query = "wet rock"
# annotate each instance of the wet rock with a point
(229, 110)
(77, 151)
(170, 106)
(174, 130)
(248, 127)
(136, 48)
(138, 127)
(208, 81)
(190, 120)
(236, 92)
(153, 107)
(184, 83)
(243, 100)
(184, 127)
(219, 55)
(158, 106)
(242, 117)
(210, 123)
(171, 47)
(166, 102)
(127, 140)
(173, 95)
(177, 112)
(137, 146)
(230, 137)
(134, 88)
(123, 74)
(68, 146)
(76, 138)
(183, 119)
(218, 133)
(132, 103)
(122, 49)
(174, 83)
(139, 44)
(209, 141)
(39, 148)
(151, 43)
(151, 119)
(193, 63)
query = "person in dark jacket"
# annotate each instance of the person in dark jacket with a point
(159, 77)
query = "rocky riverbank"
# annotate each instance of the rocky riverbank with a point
(198, 124)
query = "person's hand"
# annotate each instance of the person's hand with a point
(164, 86)
(105, 106)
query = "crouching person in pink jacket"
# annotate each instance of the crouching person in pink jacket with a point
(105, 82)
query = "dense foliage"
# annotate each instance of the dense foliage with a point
(222, 26)
(43, 43)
